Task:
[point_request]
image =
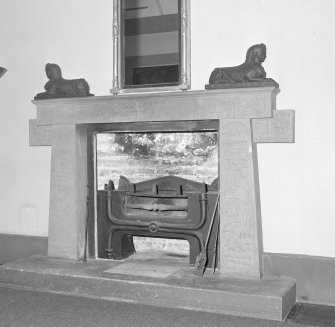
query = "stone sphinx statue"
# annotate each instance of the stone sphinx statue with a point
(58, 87)
(250, 71)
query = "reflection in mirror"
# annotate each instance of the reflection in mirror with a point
(151, 45)
(151, 42)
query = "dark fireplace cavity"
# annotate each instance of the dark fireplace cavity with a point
(156, 185)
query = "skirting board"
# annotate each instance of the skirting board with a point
(14, 247)
(314, 275)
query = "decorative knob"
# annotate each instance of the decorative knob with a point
(153, 228)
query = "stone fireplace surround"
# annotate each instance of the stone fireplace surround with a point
(246, 116)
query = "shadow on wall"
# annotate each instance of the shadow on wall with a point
(2, 71)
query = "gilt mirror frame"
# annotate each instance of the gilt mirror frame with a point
(185, 53)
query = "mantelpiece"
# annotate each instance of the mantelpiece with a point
(246, 117)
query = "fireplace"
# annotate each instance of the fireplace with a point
(155, 205)
(242, 118)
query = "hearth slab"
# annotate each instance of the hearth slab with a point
(178, 287)
(142, 269)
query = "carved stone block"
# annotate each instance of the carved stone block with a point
(68, 190)
(39, 135)
(279, 129)
(240, 229)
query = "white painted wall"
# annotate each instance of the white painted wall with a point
(297, 180)
(76, 35)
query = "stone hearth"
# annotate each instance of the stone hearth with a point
(163, 282)
(245, 117)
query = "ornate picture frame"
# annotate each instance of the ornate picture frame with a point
(185, 52)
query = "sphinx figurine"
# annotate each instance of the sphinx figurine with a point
(58, 87)
(249, 72)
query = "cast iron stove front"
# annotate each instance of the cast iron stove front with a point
(166, 207)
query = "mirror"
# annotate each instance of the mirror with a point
(151, 43)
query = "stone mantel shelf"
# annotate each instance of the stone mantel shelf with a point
(257, 104)
(166, 106)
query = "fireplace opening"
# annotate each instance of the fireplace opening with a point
(151, 178)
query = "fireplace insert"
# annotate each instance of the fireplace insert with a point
(166, 202)
(165, 207)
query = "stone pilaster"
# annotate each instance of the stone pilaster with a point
(67, 215)
(240, 229)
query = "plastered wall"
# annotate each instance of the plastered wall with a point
(297, 180)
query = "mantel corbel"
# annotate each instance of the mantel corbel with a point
(278, 129)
